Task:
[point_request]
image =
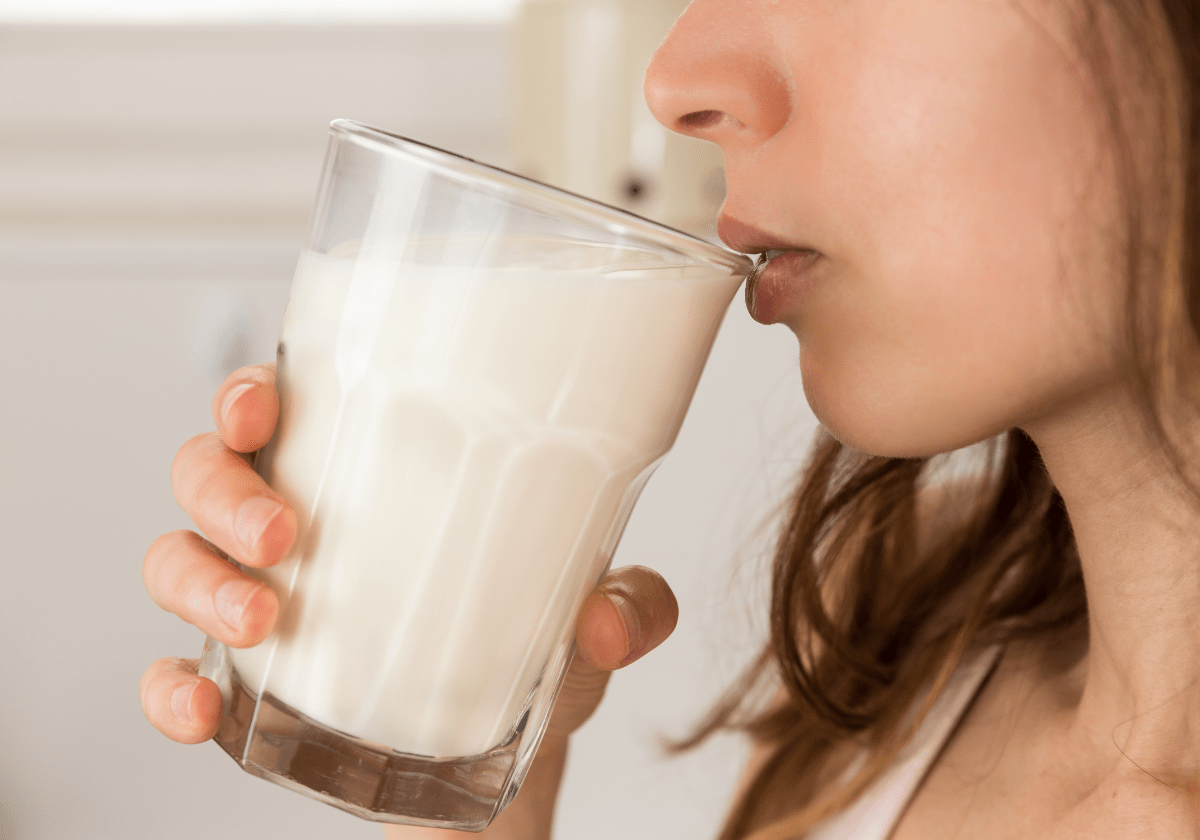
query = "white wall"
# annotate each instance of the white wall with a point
(256, 11)
(210, 131)
(153, 190)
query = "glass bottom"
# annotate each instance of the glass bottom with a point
(273, 741)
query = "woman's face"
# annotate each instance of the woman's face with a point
(936, 168)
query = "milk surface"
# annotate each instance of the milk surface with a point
(461, 447)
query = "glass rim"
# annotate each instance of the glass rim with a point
(573, 205)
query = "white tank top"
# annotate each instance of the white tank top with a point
(876, 812)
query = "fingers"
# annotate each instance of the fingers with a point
(181, 705)
(630, 613)
(186, 576)
(230, 503)
(246, 408)
(226, 499)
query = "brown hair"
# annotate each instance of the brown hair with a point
(865, 627)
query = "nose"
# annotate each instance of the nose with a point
(715, 77)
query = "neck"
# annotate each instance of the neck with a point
(1138, 533)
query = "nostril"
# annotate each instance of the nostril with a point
(700, 119)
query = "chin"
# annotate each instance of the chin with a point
(889, 423)
(882, 443)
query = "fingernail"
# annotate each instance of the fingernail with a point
(181, 701)
(253, 517)
(633, 627)
(231, 600)
(231, 398)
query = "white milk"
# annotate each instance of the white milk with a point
(459, 446)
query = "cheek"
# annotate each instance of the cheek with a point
(948, 352)
(913, 381)
(976, 306)
(968, 298)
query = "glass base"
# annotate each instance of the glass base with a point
(370, 781)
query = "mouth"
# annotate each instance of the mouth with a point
(760, 264)
(780, 273)
(772, 268)
(752, 278)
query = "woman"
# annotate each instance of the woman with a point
(982, 219)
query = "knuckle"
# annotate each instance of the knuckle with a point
(647, 575)
(190, 457)
(630, 574)
(636, 583)
(194, 602)
(155, 682)
(653, 586)
(190, 446)
(205, 479)
(153, 555)
(586, 679)
(166, 570)
(157, 557)
(144, 685)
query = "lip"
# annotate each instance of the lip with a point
(750, 240)
(782, 266)
(777, 279)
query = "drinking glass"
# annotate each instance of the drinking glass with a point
(477, 374)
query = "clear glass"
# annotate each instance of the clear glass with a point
(477, 375)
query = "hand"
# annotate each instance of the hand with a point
(189, 576)
(629, 614)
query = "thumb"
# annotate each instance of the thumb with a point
(632, 612)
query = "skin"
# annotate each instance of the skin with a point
(630, 613)
(945, 163)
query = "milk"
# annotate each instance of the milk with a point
(461, 447)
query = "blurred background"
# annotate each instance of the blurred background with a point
(157, 162)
